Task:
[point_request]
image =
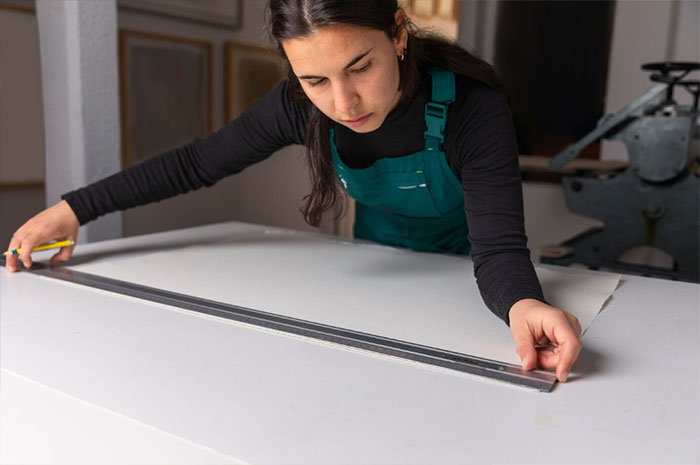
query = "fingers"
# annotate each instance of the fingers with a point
(11, 260)
(556, 332)
(573, 321)
(524, 341)
(548, 357)
(26, 247)
(569, 350)
(63, 255)
(563, 352)
(25, 253)
(26, 244)
(55, 223)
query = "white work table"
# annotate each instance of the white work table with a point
(93, 377)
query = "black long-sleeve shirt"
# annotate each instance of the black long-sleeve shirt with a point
(479, 144)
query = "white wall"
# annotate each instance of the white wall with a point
(80, 86)
(647, 31)
(476, 28)
(686, 43)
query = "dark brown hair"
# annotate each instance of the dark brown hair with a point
(288, 19)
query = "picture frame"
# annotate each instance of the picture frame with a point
(251, 71)
(166, 93)
(22, 6)
(221, 13)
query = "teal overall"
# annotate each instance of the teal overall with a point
(415, 200)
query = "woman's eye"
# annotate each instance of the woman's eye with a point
(356, 71)
(363, 69)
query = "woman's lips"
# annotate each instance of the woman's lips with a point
(357, 122)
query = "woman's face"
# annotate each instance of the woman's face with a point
(350, 73)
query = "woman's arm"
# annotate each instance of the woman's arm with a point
(270, 124)
(487, 154)
(482, 144)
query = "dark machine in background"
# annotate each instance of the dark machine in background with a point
(655, 201)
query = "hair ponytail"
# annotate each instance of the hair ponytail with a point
(325, 191)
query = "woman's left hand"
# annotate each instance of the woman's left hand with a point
(533, 322)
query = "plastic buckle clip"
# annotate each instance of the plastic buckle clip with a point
(435, 116)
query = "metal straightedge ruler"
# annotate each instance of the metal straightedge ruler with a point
(509, 373)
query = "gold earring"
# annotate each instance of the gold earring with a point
(402, 54)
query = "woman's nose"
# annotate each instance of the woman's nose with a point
(346, 100)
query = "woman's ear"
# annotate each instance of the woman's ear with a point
(401, 39)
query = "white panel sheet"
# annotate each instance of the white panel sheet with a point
(262, 398)
(423, 298)
(41, 425)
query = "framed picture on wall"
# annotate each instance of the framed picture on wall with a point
(23, 6)
(224, 13)
(166, 93)
(251, 71)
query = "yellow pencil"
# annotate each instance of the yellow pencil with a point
(52, 245)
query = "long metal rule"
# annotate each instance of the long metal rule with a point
(540, 380)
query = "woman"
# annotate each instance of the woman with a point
(416, 129)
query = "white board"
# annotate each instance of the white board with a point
(424, 298)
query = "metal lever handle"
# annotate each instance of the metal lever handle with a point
(562, 158)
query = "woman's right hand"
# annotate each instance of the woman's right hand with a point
(57, 223)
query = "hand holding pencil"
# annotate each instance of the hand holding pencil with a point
(54, 227)
(50, 245)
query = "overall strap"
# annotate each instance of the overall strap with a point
(443, 94)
